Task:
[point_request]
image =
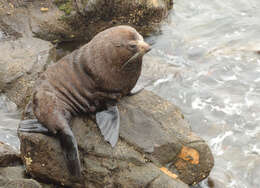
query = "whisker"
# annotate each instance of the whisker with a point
(131, 59)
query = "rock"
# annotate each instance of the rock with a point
(68, 20)
(29, 56)
(8, 156)
(23, 183)
(146, 176)
(155, 68)
(153, 134)
(10, 173)
(11, 177)
(172, 142)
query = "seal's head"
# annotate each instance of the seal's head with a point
(128, 38)
(123, 44)
(114, 56)
(129, 43)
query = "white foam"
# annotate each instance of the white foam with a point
(247, 96)
(198, 104)
(257, 80)
(255, 149)
(229, 78)
(254, 132)
(229, 108)
(216, 143)
(203, 73)
(163, 80)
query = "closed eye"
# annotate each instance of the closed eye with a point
(132, 46)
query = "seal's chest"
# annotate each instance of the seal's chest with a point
(126, 79)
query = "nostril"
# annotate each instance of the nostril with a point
(144, 47)
(148, 49)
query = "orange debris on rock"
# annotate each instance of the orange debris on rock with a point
(169, 173)
(43, 9)
(189, 154)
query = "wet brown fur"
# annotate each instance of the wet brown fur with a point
(85, 80)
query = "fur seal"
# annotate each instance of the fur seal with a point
(90, 80)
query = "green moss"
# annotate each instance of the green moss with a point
(64, 5)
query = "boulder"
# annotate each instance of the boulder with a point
(11, 177)
(68, 20)
(156, 146)
(8, 156)
(23, 183)
(22, 57)
(10, 173)
(15, 77)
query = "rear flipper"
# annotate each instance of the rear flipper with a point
(70, 149)
(67, 140)
(108, 122)
(32, 126)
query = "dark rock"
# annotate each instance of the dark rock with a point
(11, 177)
(10, 173)
(153, 134)
(194, 162)
(23, 183)
(8, 156)
(43, 157)
(68, 20)
(146, 176)
(29, 56)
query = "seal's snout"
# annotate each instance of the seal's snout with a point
(144, 47)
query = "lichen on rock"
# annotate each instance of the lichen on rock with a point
(64, 5)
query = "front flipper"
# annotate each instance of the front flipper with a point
(32, 126)
(67, 140)
(108, 121)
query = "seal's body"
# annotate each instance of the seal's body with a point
(86, 81)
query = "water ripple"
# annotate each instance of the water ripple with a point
(215, 46)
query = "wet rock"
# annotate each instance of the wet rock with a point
(156, 70)
(146, 176)
(8, 156)
(219, 178)
(10, 173)
(11, 177)
(23, 183)
(68, 20)
(153, 134)
(20, 68)
(22, 56)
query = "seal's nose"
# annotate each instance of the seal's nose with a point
(144, 47)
